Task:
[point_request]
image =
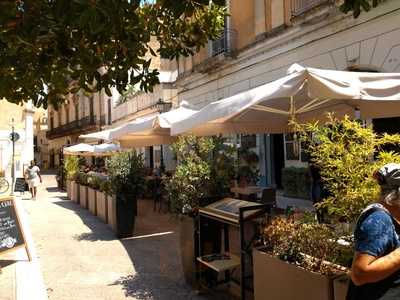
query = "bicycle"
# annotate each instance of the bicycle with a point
(4, 185)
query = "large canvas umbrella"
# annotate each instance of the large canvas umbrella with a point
(306, 94)
(91, 150)
(154, 130)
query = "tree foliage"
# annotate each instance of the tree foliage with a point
(356, 6)
(347, 154)
(51, 48)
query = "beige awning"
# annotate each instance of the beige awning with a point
(305, 94)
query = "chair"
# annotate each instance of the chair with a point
(269, 197)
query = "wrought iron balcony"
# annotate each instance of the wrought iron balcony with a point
(301, 6)
(226, 44)
(75, 127)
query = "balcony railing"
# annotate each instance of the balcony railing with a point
(301, 6)
(75, 127)
(226, 44)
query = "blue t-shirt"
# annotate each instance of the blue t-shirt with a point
(376, 234)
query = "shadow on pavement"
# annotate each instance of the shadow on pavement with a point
(154, 252)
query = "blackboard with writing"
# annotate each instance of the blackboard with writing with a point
(20, 185)
(11, 235)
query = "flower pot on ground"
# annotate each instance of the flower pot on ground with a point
(126, 175)
(94, 185)
(83, 190)
(91, 200)
(300, 260)
(75, 191)
(69, 191)
(277, 279)
(340, 287)
(101, 205)
(112, 212)
(204, 169)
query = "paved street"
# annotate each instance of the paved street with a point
(81, 258)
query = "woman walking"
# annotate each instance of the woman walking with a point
(33, 178)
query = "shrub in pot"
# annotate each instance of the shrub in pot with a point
(202, 176)
(126, 174)
(83, 189)
(299, 261)
(93, 185)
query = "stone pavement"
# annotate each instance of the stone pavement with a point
(81, 258)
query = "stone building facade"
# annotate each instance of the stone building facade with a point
(263, 38)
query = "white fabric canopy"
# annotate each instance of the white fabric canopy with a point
(154, 130)
(104, 135)
(91, 150)
(305, 94)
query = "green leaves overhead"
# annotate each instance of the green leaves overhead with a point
(51, 48)
(356, 6)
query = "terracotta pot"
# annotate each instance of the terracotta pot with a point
(276, 279)
(91, 198)
(83, 196)
(101, 205)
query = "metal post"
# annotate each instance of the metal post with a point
(162, 166)
(13, 157)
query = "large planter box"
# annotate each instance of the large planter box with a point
(340, 286)
(276, 279)
(75, 191)
(187, 240)
(92, 200)
(69, 191)
(83, 196)
(112, 212)
(102, 206)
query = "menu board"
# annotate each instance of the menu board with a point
(20, 185)
(11, 234)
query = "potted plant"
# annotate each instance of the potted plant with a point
(71, 166)
(102, 199)
(83, 189)
(200, 178)
(126, 174)
(93, 186)
(299, 260)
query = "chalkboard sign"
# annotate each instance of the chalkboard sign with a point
(11, 233)
(20, 185)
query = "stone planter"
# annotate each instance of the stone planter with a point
(187, 240)
(69, 191)
(276, 279)
(83, 196)
(112, 212)
(91, 199)
(75, 187)
(340, 286)
(102, 206)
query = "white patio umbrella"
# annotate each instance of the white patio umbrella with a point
(154, 130)
(91, 150)
(78, 149)
(306, 94)
(104, 135)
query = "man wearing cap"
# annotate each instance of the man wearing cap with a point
(375, 272)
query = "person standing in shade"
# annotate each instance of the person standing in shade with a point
(375, 272)
(33, 178)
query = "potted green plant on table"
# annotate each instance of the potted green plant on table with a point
(71, 166)
(199, 179)
(126, 174)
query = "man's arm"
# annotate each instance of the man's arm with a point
(40, 176)
(368, 269)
